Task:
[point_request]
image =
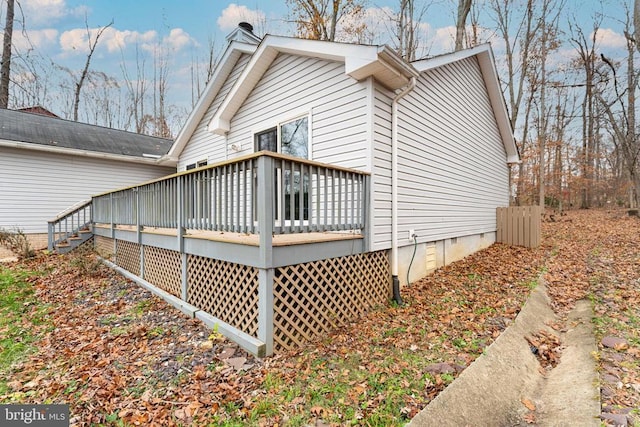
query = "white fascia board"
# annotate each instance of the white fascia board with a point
(262, 58)
(163, 161)
(492, 82)
(448, 58)
(219, 126)
(222, 71)
(360, 62)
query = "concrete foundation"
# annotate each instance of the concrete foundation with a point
(418, 260)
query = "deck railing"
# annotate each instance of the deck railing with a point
(69, 223)
(260, 193)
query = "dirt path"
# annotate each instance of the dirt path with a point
(592, 277)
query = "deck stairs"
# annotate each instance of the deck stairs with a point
(74, 241)
(70, 228)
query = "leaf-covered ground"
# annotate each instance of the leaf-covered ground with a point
(120, 356)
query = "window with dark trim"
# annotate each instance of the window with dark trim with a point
(290, 138)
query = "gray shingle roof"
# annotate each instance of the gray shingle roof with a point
(54, 132)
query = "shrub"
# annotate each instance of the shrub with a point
(17, 242)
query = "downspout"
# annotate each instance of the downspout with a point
(394, 189)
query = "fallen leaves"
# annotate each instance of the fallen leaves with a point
(117, 354)
(546, 347)
(528, 404)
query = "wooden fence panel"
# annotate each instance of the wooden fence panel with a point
(519, 225)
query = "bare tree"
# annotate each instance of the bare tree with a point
(464, 7)
(5, 67)
(586, 48)
(622, 115)
(318, 19)
(519, 35)
(136, 92)
(160, 84)
(85, 71)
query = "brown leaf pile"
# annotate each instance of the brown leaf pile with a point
(597, 256)
(547, 348)
(117, 354)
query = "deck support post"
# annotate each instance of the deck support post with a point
(50, 229)
(184, 278)
(265, 308)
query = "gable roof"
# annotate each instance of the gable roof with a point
(361, 62)
(20, 129)
(484, 55)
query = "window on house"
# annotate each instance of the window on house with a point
(198, 164)
(290, 138)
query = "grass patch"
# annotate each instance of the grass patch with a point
(17, 320)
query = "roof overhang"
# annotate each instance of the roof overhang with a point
(219, 77)
(154, 161)
(361, 62)
(486, 61)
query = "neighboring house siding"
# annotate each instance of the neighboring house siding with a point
(205, 144)
(297, 85)
(451, 157)
(36, 186)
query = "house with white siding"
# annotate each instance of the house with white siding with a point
(48, 164)
(313, 179)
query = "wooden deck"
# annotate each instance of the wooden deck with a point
(279, 240)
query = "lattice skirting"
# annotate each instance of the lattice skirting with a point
(313, 298)
(163, 268)
(225, 290)
(128, 256)
(104, 246)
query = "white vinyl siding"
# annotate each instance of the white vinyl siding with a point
(452, 162)
(36, 186)
(381, 178)
(295, 86)
(204, 144)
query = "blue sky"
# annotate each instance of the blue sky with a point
(56, 29)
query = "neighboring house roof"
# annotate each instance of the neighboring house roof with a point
(37, 132)
(361, 62)
(38, 109)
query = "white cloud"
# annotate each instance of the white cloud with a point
(178, 39)
(234, 14)
(443, 39)
(36, 39)
(39, 12)
(113, 40)
(606, 37)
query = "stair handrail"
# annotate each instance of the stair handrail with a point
(79, 209)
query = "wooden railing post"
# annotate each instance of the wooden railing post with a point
(180, 223)
(364, 212)
(113, 231)
(265, 208)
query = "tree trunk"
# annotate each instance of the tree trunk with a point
(85, 70)
(464, 7)
(5, 67)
